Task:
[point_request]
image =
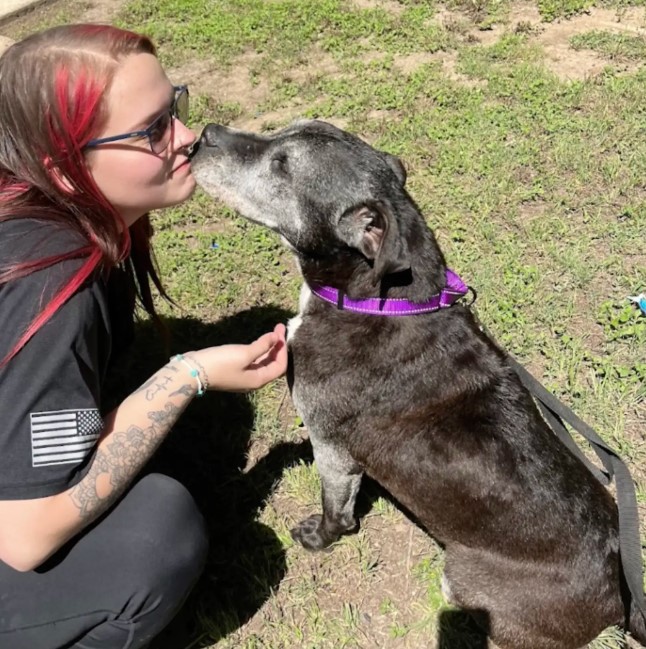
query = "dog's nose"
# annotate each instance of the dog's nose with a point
(211, 134)
(225, 139)
(193, 149)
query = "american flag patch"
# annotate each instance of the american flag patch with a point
(63, 436)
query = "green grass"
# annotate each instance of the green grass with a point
(279, 30)
(553, 9)
(614, 46)
(535, 189)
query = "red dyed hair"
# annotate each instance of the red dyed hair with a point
(52, 90)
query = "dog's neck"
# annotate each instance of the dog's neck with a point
(349, 271)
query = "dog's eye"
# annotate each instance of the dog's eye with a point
(279, 164)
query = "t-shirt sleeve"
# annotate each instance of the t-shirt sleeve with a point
(50, 391)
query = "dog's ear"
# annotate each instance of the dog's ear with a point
(397, 166)
(373, 229)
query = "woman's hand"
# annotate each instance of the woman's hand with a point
(239, 368)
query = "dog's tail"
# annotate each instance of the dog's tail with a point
(637, 624)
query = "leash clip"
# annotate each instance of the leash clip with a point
(474, 296)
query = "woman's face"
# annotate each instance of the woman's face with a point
(133, 178)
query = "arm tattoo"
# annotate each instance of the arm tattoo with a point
(156, 377)
(161, 384)
(185, 390)
(120, 459)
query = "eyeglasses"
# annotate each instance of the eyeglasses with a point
(160, 132)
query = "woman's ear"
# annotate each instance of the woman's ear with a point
(58, 178)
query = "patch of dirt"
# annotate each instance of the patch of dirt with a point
(570, 64)
(524, 13)
(449, 65)
(409, 63)
(453, 21)
(89, 11)
(269, 121)
(317, 64)
(531, 211)
(231, 85)
(391, 6)
(397, 547)
(238, 84)
(102, 11)
(554, 38)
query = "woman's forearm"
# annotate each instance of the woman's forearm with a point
(132, 433)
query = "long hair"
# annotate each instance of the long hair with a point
(53, 86)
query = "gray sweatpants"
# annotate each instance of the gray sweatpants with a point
(118, 584)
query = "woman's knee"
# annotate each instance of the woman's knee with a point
(167, 536)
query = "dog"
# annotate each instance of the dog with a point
(424, 403)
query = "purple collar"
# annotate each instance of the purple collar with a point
(455, 289)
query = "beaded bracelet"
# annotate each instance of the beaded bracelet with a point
(202, 371)
(201, 388)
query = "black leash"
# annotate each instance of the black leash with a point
(629, 542)
(556, 414)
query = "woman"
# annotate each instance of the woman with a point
(91, 139)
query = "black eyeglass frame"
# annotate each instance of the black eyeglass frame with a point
(147, 132)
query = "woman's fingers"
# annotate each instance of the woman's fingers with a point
(270, 342)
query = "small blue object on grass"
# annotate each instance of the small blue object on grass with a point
(214, 245)
(640, 301)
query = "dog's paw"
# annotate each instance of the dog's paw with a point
(310, 534)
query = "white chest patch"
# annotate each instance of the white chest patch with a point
(295, 322)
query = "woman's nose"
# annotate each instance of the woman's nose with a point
(183, 136)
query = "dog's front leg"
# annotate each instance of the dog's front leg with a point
(340, 480)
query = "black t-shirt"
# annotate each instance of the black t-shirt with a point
(50, 392)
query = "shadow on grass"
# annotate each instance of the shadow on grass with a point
(207, 451)
(459, 630)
